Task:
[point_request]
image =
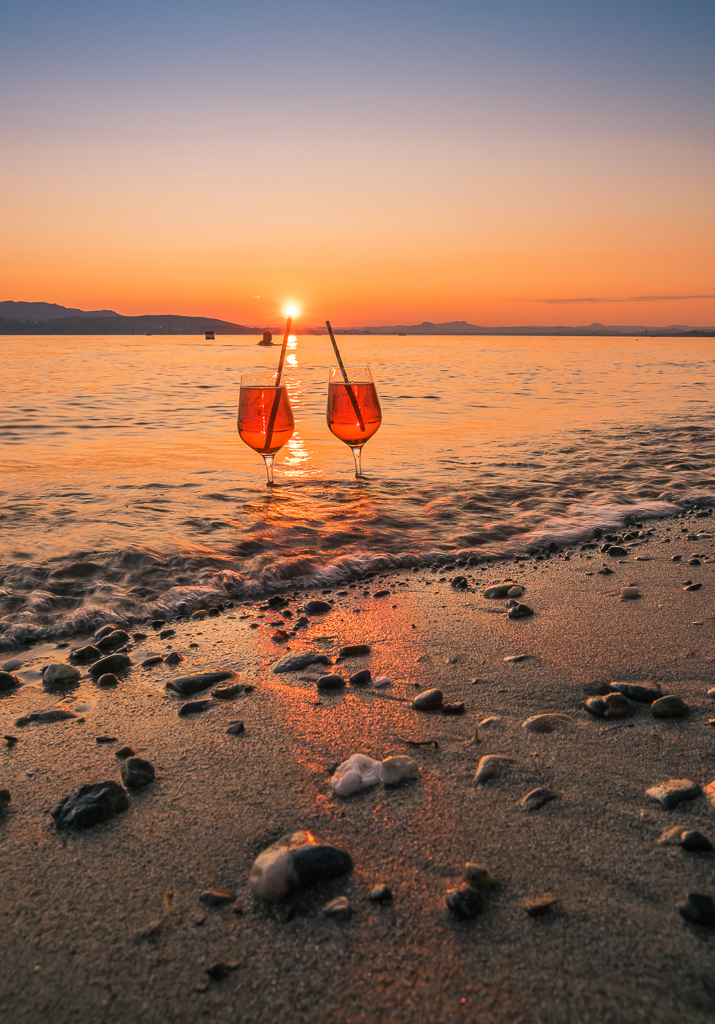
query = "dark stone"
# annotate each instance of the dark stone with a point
(669, 707)
(354, 650)
(540, 906)
(605, 571)
(56, 715)
(382, 593)
(155, 659)
(110, 642)
(361, 678)
(90, 805)
(9, 681)
(226, 692)
(104, 631)
(108, 679)
(459, 583)
(166, 633)
(453, 709)
(646, 692)
(194, 706)
(380, 894)
(318, 607)
(173, 659)
(88, 653)
(428, 700)
(331, 682)
(236, 729)
(112, 663)
(125, 752)
(617, 552)
(465, 903)
(296, 662)
(158, 623)
(320, 863)
(214, 898)
(276, 601)
(698, 908)
(5, 800)
(537, 798)
(515, 610)
(693, 586)
(220, 970)
(106, 739)
(695, 842)
(137, 773)
(138, 637)
(213, 614)
(194, 684)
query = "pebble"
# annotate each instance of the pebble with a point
(338, 908)
(105, 631)
(137, 773)
(11, 740)
(513, 658)
(5, 800)
(453, 709)
(125, 752)
(156, 659)
(428, 700)
(382, 593)
(671, 836)
(173, 659)
(361, 678)
(60, 674)
(698, 908)
(515, 592)
(629, 593)
(617, 552)
(490, 721)
(112, 663)
(644, 692)
(380, 893)
(354, 650)
(466, 903)
(295, 862)
(214, 898)
(613, 705)
(546, 723)
(193, 707)
(226, 692)
(605, 571)
(676, 558)
(236, 729)
(695, 842)
(301, 660)
(478, 875)
(108, 679)
(540, 905)
(219, 971)
(674, 792)
(9, 681)
(196, 683)
(399, 769)
(318, 607)
(381, 682)
(498, 592)
(90, 805)
(514, 610)
(537, 798)
(669, 707)
(459, 583)
(110, 641)
(166, 633)
(88, 653)
(11, 665)
(492, 765)
(358, 772)
(199, 614)
(55, 715)
(331, 682)
(692, 586)
(105, 739)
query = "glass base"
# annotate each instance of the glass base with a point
(268, 459)
(357, 455)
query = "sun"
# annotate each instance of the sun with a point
(291, 311)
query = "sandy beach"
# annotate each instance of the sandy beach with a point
(106, 924)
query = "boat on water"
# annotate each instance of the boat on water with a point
(210, 335)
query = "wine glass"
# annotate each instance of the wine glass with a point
(353, 412)
(265, 418)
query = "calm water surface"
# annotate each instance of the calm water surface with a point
(125, 489)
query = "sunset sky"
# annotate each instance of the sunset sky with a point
(375, 161)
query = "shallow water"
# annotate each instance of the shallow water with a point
(125, 490)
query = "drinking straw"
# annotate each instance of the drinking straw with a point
(276, 400)
(348, 388)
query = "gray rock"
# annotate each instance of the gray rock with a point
(617, 552)
(428, 700)
(196, 683)
(112, 663)
(193, 707)
(338, 908)
(9, 681)
(331, 682)
(398, 769)
(537, 798)
(465, 903)
(301, 660)
(174, 658)
(124, 752)
(11, 665)
(90, 805)
(492, 765)
(83, 654)
(155, 659)
(540, 906)
(478, 875)
(698, 908)
(613, 705)
(453, 709)
(137, 773)
(60, 674)
(227, 692)
(354, 650)
(674, 792)
(695, 842)
(318, 607)
(669, 707)
(382, 593)
(514, 610)
(105, 631)
(361, 678)
(55, 715)
(110, 642)
(108, 679)
(692, 587)
(498, 592)
(644, 692)
(459, 583)
(236, 729)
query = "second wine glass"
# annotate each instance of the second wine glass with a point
(353, 412)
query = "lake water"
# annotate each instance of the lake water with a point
(126, 492)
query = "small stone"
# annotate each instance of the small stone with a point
(105, 739)
(166, 633)
(138, 637)
(613, 705)
(692, 586)
(380, 894)
(301, 660)
(361, 678)
(515, 592)
(331, 682)
(695, 842)
(90, 805)
(698, 908)
(669, 707)
(498, 592)
(605, 571)
(428, 700)
(60, 674)
(8, 681)
(199, 614)
(295, 862)
(88, 653)
(214, 898)
(547, 723)
(11, 740)
(539, 906)
(358, 772)
(629, 593)
(5, 800)
(156, 659)
(108, 679)
(219, 971)
(694, 561)
(478, 875)
(338, 908)
(645, 692)
(55, 715)
(453, 709)
(511, 659)
(382, 593)
(459, 583)
(227, 692)
(174, 658)
(110, 641)
(280, 636)
(318, 608)
(674, 792)
(676, 558)
(671, 836)
(112, 663)
(105, 631)
(537, 798)
(187, 685)
(399, 769)
(193, 707)
(236, 729)
(617, 552)
(125, 752)
(11, 665)
(137, 773)
(354, 650)
(381, 682)
(491, 721)
(492, 765)
(465, 903)
(514, 610)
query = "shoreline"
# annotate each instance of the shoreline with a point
(107, 925)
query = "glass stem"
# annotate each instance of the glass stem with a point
(268, 459)
(357, 454)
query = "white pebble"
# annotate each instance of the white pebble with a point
(395, 770)
(357, 773)
(382, 681)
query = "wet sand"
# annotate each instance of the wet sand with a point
(106, 925)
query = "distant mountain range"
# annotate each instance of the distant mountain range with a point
(49, 318)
